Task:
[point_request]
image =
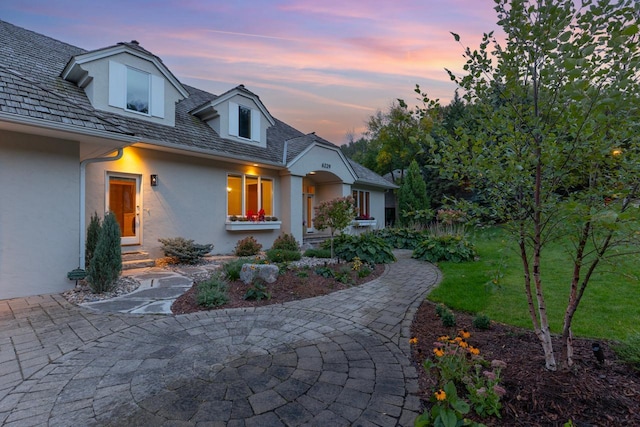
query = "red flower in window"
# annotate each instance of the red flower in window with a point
(261, 215)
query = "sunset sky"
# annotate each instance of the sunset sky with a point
(322, 66)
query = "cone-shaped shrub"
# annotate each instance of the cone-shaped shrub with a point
(106, 264)
(93, 232)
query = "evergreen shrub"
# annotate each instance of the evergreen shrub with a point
(106, 264)
(184, 251)
(93, 232)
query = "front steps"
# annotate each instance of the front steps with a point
(136, 259)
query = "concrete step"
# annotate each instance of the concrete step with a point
(136, 259)
(138, 263)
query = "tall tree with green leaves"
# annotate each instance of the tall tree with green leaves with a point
(555, 148)
(412, 194)
(398, 136)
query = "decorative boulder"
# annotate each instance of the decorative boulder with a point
(266, 272)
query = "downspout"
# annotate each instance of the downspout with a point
(83, 220)
(284, 153)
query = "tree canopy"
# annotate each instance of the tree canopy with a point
(551, 140)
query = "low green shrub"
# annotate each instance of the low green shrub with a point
(629, 350)
(212, 292)
(325, 272)
(370, 248)
(231, 269)
(318, 253)
(184, 251)
(448, 318)
(283, 255)
(402, 238)
(445, 248)
(257, 291)
(343, 275)
(440, 308)
(482, 321)
(286, 242)
(248, 246)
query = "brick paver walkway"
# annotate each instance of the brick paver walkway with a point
(336, 360)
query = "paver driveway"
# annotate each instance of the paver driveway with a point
(336, 360)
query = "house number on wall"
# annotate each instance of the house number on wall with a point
(326, 165)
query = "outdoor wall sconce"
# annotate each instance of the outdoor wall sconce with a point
(154, 180)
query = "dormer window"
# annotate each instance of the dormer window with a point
(138, 90)
(244, 122)
(135, 90)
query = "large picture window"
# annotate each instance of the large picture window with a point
(248, 195)
(138, 90)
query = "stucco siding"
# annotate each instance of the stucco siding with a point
(189, 201)
(39, 214)
(321, 158)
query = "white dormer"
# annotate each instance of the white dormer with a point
(128, 80)
(239, 115)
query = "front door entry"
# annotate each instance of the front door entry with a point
(124, 201)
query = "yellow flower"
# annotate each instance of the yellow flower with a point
(465, 334)
(441, 395)
(413, 340)
(474, 351)
(438, 352)
(463, 344)
(457, 339)
(443, 338)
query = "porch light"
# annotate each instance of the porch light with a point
(228, 189)
(154, 180)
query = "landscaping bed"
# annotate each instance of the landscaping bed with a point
(590, 394)
(293, 285)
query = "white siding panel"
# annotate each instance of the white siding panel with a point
(117, 81)
(233, 119)
(157, 96)
(256, 133)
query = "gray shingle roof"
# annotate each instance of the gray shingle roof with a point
(31, 86)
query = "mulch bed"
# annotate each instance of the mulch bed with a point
(589, 395)
(291, 286)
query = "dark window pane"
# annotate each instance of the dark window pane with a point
(244, 122)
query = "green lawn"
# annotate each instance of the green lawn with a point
(494, 285)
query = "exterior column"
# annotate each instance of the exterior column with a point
(291, 206)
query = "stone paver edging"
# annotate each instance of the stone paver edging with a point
(336, 360)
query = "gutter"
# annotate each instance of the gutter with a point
(64, 127)
(83, 219)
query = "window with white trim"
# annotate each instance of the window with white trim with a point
(361, 199)
(244, 122)
(135, 90)
(249, 195)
